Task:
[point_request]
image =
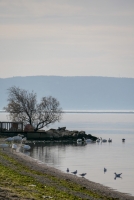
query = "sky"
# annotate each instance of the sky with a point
(67, 38)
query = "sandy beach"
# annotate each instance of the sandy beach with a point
(50, 177)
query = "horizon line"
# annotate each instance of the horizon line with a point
(65, 76)
(90, 111)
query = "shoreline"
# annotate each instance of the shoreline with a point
(88, 189)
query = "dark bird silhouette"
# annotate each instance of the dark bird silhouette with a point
(67, 170)
(83, 174)
(117, 175)
(75, 172)
(105, 169)
(109, 140)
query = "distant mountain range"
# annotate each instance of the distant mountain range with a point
(76, 93)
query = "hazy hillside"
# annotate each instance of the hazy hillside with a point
(92, 93)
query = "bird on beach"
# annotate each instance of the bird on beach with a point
(17, 139)
(9, 139)
(83, 174)
(24, 140)
(67, 170)
(105, 170)
(14, 147)
(75, 172)
(26, 147)
(4, 146)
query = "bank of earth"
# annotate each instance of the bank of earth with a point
(22, 177)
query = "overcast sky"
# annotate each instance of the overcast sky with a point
(67, 38)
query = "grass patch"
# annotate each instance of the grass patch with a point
(20, 179)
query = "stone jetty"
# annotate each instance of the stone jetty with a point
(59, 134)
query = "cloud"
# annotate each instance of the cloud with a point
(37, 9)
(33, 10)
(22, 31)
(66, 37)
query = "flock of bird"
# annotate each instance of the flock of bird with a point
(98, 140)
(103, 140)
(83, 174)
(75, 172)
(20, 139)
(15, 142)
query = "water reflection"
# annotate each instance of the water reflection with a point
(91, 159)
(51, 153)
(117, 177)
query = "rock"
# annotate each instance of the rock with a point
(57, 134)
(51, 131)
(61, 128)
(65, 134)
(75, 131)
(82, 132)
(91, 137)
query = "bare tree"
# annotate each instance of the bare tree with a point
(22, 106)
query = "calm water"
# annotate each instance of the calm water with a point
(92, 158)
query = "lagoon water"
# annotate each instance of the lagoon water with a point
(91, 158)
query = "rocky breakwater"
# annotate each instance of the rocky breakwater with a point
(60, 134)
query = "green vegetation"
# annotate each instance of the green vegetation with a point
(32, 184)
